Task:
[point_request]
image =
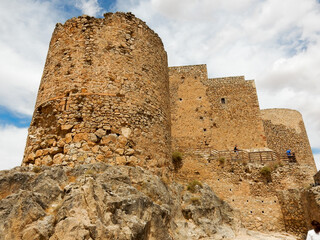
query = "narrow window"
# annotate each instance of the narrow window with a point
(223, 100)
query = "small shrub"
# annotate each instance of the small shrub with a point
(221, 160)
(177, 160)
(192, 185)
(36, 169)
(195, 201)
(265, 171)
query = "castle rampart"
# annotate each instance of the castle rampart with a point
(103, 95)
(218, 113)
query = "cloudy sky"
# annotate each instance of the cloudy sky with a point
(277, 43)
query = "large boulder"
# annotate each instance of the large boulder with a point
(99, 201)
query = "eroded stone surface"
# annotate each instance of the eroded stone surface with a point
(99, 201)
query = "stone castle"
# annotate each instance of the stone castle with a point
(108, 95)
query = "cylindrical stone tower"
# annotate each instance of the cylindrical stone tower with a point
(104, 95)
(285, 130)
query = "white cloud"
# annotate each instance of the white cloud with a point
(89, 7)
(26, 28)
(12, 142)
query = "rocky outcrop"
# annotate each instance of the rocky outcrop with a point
(311, 204)
(99, 201)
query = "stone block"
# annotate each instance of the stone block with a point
(122, 141)
(58, 158)
(80, 136)
(121, 160)
(47, 160)
(106, 140)
(66, 127)
(68, 138)
(130, 152)
(95, 149)
(92, 137)
(100, 158)
(100, 133)
(39, 153)
(126, 132)
(120, 151)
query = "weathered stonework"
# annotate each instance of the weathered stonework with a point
(107, 95)
(213, 113)
(103, 95)
(285, 130)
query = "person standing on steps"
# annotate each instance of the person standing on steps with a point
(236, 150)
(314, 234)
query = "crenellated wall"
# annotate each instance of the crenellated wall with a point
(103, 95)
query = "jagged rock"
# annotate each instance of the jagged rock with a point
(99, 201)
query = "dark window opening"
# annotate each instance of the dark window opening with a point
(201, 118)
(204, 129)
(262, 211)
(180, 99)
(223, 100)
(200, 98)
(250, 211)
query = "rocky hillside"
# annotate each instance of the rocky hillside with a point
(99, 201)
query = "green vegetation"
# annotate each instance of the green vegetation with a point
(192, 185)
(36, 169)
(221, 160)
(195, 201)
(177, 160)
(265, 171)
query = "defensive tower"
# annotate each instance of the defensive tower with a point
(285, 130)
(103, 95)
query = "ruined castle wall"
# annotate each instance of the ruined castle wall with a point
(285, 130)
(190, 108)
(103, 95)
(311, 205)
(236, 113)
(213, 113)
(293, 211)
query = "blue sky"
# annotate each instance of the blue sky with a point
(277, 43)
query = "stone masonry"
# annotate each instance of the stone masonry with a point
(218, 113)
(108, 95)
(103, 95)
